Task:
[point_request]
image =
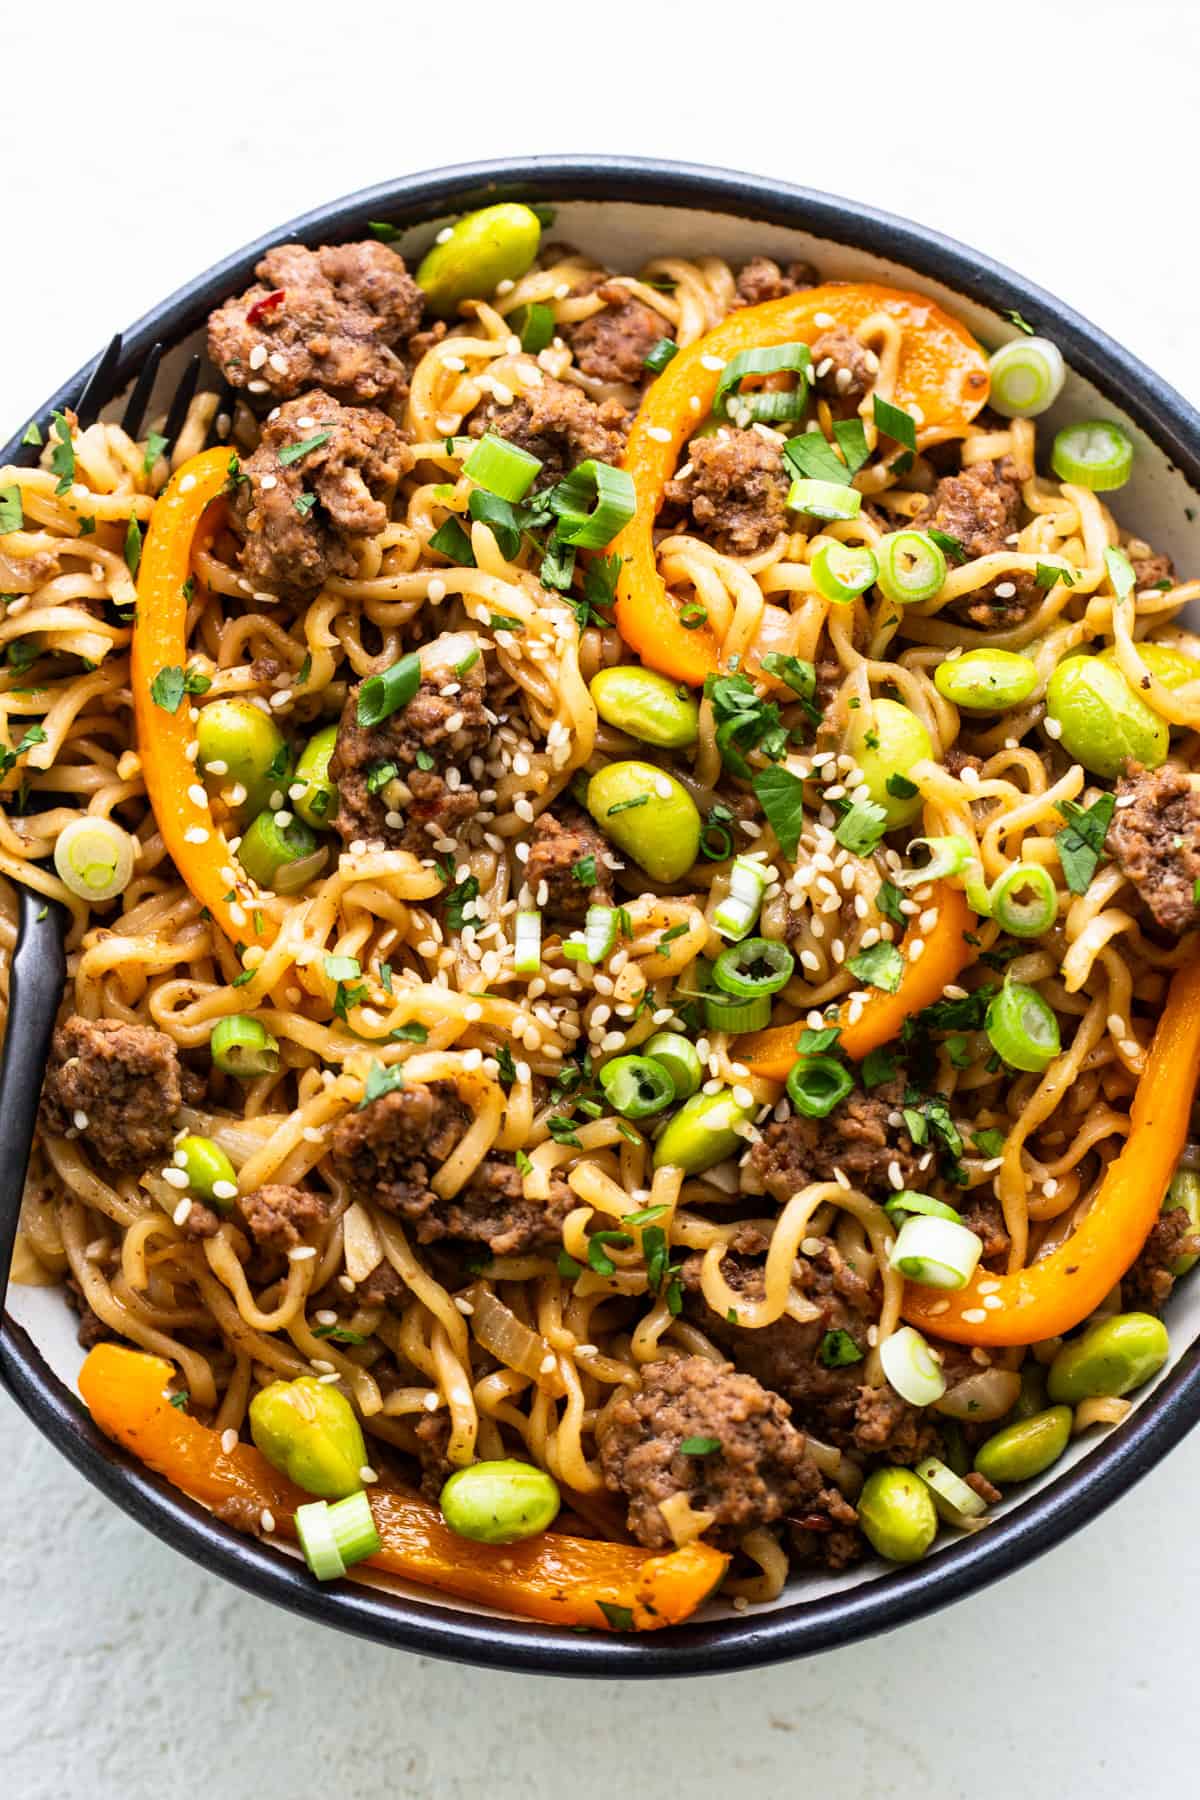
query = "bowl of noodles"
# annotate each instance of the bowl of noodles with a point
(623, 800)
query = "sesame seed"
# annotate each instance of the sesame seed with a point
(824, 320)
(1053, 729)
(323, 1364)
(974, 1316)
(180, 1215)
(302, 1253)
(993, 1303)
(367, 1474)
(282, 698)
(659, 433)
(256, 387)
(224, 1190)
(79, 1119)
(328, 1380)
(175, 1178)
(436, 590)
(187, 484)
(258, 356)
(195, 834)
(266, 1519)
(1005, 590)
(197, 795)
(229, 1440)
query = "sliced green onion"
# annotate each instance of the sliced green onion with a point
(753, 967)
(741, 905)
(593, 504)
(95, 858)
(282, 857)
(908, 1201)
(947, 856)
(382, 695)
(936, 1252)
(729, 402)
(243, 1046)
(723, 1013)
(912, 567)
(816, 1084)
(1027, 377)
(911, 1367)
(637, 1086)
(502, 468)
(1024, 900)
(534, 325)
(1096, 455)
(957, 1503)
(334, 1537)
(843, 571)
(596, 940)
(527, 943)
(1022, 1028)
(354, 1528)
(660, 354)
(824, 499)
(680, 1059)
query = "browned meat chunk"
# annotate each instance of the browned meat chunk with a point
(981, 507)
(390, 1150)
(856, 1138)
(815, 1372)
(613, 344)
(382, 793)
(735, 486)
(759, 1471)
(25, 574)
(983, 1214)
(117, 1087)
(298, 516)
(330, 317)
(1147, 1286)
(559, 425)
(1155, 839)
(844, 370)
(433, 1441)
(1152, 570)
(278, 1217)
(762, 279)
(566, 870)
(242, 1514)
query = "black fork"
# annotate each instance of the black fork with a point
(38, 967)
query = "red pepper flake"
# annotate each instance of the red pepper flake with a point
(268, 303)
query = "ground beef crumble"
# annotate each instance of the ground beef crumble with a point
(559, 846)
(844, 369)
(1155, 840)
(124, 1080)
(558, 424)
(332, 317)
(855, 1137)
(279, 1217)
(981, 507)
(1147, 1287)
(613, 344)
(735, 487)
(763, 279)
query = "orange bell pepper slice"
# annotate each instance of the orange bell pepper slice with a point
(942, 370)
(1061, 1289)
(771, 1054)
(193, 839)
(562, 1580)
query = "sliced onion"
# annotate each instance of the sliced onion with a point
(500, 1331)
(911, 1367)
(957, 1503)
(983, 1397)
(95, 858)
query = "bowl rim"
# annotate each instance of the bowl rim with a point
(806, 1625)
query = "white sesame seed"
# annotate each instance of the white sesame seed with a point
(229, 1440)
(224, 1190)
(975, 1315)
(79, 1119)
(659, 433)
(282, 698)
(187, 484)
(256, 387)
(824, 320)
(1053, 729)
(1005, 590)
(266, 1519)
(175, 1178)
(258, 356)
(195, 834)
(302, 1253)
(267, 483)
(180, 1215)
(367, 1474)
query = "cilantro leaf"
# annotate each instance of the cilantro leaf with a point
(699, 1446)
(895, 423)
(878, 1067)
(584, 871)
(62, 455)
(1048, 574)
(837, 1350)
(382, 1079)
(745, 722)
(781, 796)
(133, 546)
(887, 902)
(989, 1143)
(156, 443)
(32, 433)
(11, 515)
(1081, 841)
(33, 735)
(861, 827)
(291, 453)
(880, 966)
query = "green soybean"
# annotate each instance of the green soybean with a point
(1026, 1447)
(887, 740)
(1184, 1191)
(896, 1511)
(649, 815)
(318, 803)
(1174, 668)
(702, 1133)
(986, 680)
(240, 745)
(647, 705)
(1111, 1358)
(1032, 1398)
(208, 1170)
(308, 1430)
(499, 1502)
(1102, 723)
(475, 255)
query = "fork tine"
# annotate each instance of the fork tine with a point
(96, 387)
(143, 387)
(180, 402)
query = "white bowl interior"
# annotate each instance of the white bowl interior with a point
(1156, 504)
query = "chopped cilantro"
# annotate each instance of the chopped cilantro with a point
(133, 546)
(699, 1446)
(781, 796)
(861, 827)
(887, 902)
(989, 1142)
(880, 966)
(11, 515)
(584, 871)
(62, 455)
(837, 1350)
(744, 721)
(895, 423)
(292, 453)
(878, 1067)
(382, 1079)
(1081, 841)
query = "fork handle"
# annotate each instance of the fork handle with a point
(37, 972)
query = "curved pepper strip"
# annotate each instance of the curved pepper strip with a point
(159, 642)
(942, 370)
(771, 1054)
(1060, 1290)
(563, 1580)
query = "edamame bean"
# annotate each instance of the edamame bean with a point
(308, 1430)
(1174, 668)
(702, 1133)
(896, 1511)
(240, 746)
(887, 741)
(649, 815)
(646, 705)
(1032, 1398)
(1023, 1449)
(1184, 1191)
(485, 248)
(318, 803)
(1111, 1358)
(986, 680)
(1102, 723)
(209, 1171)
(499, 1502)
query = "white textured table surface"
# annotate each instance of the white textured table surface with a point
(140, 143)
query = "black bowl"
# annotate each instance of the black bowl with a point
(795, 1627)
